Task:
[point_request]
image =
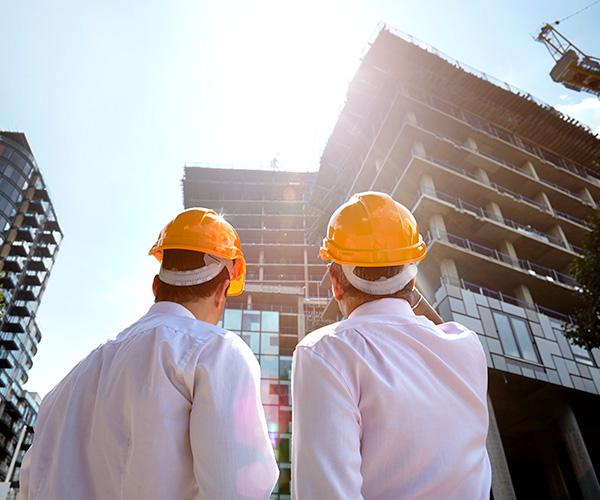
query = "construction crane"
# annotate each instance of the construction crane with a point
(574, 69)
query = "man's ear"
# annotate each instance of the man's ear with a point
(336, 288)
(155, 285)
(221, 293)
(412, 283)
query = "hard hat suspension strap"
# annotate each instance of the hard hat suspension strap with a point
(383, 286)
(214, 265)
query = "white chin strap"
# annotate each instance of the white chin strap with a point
(214, 265)
(383, 286)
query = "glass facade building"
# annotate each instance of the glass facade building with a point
(30, 237)
(260, 330)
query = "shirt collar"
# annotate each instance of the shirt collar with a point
(383, 307)
(172, 308)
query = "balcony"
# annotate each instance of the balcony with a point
(26, 295)
(5, 361)
(12, 265)
(48, 238)
(12, 327)
(7, 341)
(492, 267)
(480, 191)
(491, 130)
(37, 207)
(37, 265)
(8, 282)
(463, 216)
(25, 234)
(19, 249)
(42, 251)
(32, 220)
(51, 225)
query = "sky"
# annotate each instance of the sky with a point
(116, 96)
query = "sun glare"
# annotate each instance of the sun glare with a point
(284, 81)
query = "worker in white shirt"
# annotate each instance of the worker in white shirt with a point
(171, 408)
(387, 404)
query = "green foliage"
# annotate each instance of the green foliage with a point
(585, 331)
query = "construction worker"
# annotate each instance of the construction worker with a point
(171, 408)
(387, 404)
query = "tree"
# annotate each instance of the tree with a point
(585, 331)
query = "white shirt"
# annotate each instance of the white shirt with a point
(389, 406)
(170, 409)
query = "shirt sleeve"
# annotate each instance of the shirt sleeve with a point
(231, 449)
(326, 459)
(24, 477)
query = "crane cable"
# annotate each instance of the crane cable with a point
(578, 12)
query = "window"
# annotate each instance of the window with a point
(253, 340)
(582, 355)
(269, 366)
(269, 343)
(515, 337)
(270, 321)
(251, 321)
(232, 320)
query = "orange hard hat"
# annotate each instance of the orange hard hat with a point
(203, 230)
(373, 230)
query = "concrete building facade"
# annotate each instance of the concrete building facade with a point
(30, 237)
(501, 186)
(284, 296)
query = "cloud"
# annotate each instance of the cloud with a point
(586, 111)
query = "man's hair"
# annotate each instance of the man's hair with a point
(359, 297)
(186, 260)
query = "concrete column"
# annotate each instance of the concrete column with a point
(482, 175)
(502, 487)
(578, 454)
(249, 302)
(508, 248)
(301, 319)
(554, 476)
(586, 196)
(261, 269)
(523, 293)
(543, 199)
(427, 185)
(437, 226)
(470, 143)
(419, 149)
(448, 269)
(493, 211)
(529, 169)
(306, 273)
(558, 232)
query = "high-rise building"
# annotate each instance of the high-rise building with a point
(501, 185)
(283, 297)
(29, 241)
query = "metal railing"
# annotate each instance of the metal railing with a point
(492, 130)
(487, 214)
(527, 266)
(501, 189)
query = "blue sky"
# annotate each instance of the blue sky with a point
(116, 96)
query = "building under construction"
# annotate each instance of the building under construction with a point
(283, 297)
(501, 185)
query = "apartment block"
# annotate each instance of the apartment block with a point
(284, 296)
(30, 237)
(501, 185)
